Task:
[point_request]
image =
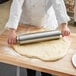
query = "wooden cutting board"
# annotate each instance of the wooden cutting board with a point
(61, 67)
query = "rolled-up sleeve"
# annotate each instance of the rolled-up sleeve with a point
(60, 11)
(15, 13)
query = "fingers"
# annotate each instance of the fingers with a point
(11, 41)
(11, 37)
(65, 33)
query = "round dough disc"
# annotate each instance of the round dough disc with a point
(46, 51)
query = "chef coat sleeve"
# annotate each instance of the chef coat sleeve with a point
(60, 11)
(15, 13)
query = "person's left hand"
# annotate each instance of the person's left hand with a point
(65, 31)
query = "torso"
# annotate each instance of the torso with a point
(36, 12)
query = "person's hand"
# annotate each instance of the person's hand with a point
(65, 30)
(11, 37)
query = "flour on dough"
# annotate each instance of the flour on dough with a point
(46, 51)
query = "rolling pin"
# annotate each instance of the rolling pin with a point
(38, 37)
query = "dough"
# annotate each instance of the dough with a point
(46, 51)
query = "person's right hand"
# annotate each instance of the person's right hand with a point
(12, 37)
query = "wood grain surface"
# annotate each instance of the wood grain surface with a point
(62, 67)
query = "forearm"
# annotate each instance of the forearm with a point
(12, 30)
(15, 13)
(63, 25)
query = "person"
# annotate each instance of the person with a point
(46, 13)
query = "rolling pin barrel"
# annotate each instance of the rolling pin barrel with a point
(38, 36)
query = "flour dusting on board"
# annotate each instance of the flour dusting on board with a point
(10, 51)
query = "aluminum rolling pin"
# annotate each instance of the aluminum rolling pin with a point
(38, 36)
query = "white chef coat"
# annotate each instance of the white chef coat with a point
(46, 13)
